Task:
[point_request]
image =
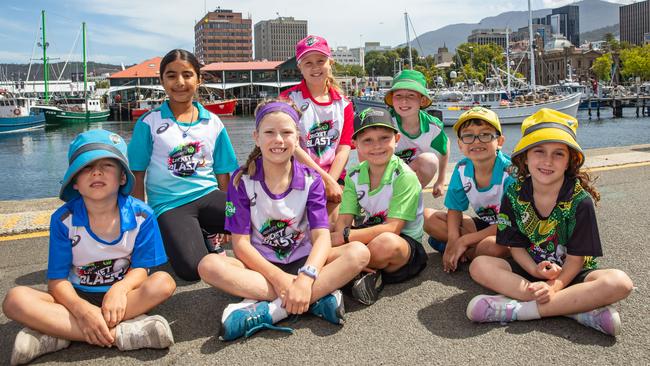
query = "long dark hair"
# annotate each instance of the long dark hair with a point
(183, 55)
(520, 170)
(249, 168)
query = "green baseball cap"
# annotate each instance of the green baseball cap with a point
(409, 80)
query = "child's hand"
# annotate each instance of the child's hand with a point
(114, 305)
(296, 300)
(541, 291)
(437, 190)
(93, 326)
(453, 252)
(333, 190)
(281, 284)
(548, 270)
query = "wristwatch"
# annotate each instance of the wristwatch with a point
(346, 234)
(309, 271)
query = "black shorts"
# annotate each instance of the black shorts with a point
(293, 267)
(480, 224)
(415, 265)
(95, 298)
(517, 269)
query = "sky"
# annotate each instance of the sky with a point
(130, 31)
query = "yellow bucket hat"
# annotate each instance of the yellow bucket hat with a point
(481, 113)
(548, 125)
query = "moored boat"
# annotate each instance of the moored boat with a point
(19, 114)
(221, 107)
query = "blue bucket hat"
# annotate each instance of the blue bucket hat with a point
(88, 147)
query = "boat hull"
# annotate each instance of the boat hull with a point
(137, 113)
(61, 117)
(16, 124)
(222, 108)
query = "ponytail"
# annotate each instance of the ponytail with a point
(250, 167)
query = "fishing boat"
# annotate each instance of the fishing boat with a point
(221, 107)
(19, 113)
(75, 110)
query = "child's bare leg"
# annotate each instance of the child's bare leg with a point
(157, 288)
(601, 287)
(435, 223)
(39, 311)
(426, 167)
(389, 252)
(489, 247)
(231, 275)
(343, 264)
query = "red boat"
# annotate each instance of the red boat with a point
(221, 107)
(144, 106)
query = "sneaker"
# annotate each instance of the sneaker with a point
(366, 287)
(330, 308)
(605, 319)
(143, 331)
(238, 321)
(498, 308)
(437, 244)
(30, 344)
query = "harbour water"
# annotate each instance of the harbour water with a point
(34, 161)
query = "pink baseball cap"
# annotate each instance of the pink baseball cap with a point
(312, 43)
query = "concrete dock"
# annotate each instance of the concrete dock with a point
(419, 322)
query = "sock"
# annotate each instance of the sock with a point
(528, 311)
(277, 311)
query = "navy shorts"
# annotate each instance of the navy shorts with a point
(517, 269)
(293, 267)
(95, 298)
(416, 263)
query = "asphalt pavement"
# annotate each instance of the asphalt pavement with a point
(419, 322)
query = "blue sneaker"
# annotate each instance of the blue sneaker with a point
(437, 244)
(247, 320)
(330, 308)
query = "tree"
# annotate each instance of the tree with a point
(636, 62)
(602, 67)
(347, 70)
(474, 60)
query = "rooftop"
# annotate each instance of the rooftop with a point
(146, 69)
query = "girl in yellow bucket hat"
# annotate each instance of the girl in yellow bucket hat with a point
(547, 218)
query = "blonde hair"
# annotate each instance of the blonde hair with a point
(250, 167)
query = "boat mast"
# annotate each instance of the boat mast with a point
(508, 59)
(532, 51)
(83, 32)
(45, 68)
(408, 40)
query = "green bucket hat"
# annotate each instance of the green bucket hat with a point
(409, 80)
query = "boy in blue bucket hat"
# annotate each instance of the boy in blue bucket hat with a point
(102, 242)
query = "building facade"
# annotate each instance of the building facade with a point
(275, 39)
(223, 36)
(552, 67)
(443, 56)
(345, 56)
(487, 36)
(566, 21)
(634, 22)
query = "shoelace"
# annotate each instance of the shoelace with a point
(255, 323)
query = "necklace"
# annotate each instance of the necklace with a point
(184, 131)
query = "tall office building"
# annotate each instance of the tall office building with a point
(275, 39)
(486, 36)
(566, 21)
(634, 21)
(223, 36)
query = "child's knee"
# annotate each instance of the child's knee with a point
(360, 254)
(618, 283)
(479, 267)
(386, 246)
(163, 284)
(14, 302)
(210, 265)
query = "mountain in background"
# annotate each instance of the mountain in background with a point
(594, 14)
(19, 71)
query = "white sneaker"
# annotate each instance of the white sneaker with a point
(30, 344)
(143, 332)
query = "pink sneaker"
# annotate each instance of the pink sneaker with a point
(497, 308)
(605, 319)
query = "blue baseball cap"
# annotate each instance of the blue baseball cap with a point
(88, 147)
